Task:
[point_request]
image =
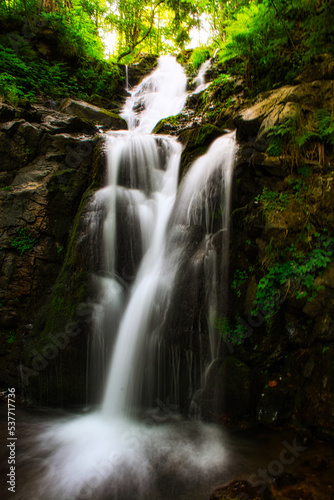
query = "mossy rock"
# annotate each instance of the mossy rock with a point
(196, 141)
(94, 114)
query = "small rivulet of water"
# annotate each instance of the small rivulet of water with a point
(117, 452)
(127, 78)
(200, 81)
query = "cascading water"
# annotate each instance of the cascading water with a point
(200, 78)
(109, 454)
(197, 204)
(126, 77)
(152, 182)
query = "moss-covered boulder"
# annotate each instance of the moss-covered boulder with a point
(196, 142)
(94, 114)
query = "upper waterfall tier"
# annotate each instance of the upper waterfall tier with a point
(161, 94)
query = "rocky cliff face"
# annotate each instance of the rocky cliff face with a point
(50, 162)
(284, 216)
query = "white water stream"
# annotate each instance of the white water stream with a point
(110, 454)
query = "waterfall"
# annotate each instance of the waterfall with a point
(161, 94)
(150, 178)
(197, 204)
(127, 78)
(200, 78)
(147, 230)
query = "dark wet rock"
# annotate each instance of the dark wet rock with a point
(280, 105)
(241, 489)
(51, 104)
(230, 390)
(275, 404)
(248, 123)
(317, 463)
(46, 169)
(7, 113)
(196, 141)
(286, 479)
(62, 124)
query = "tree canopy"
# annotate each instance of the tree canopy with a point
(157, 26)
(267, 41)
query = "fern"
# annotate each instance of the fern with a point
(323, 130)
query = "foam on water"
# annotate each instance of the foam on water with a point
(93, 457)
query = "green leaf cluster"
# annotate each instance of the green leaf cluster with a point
(323, 129)
(233, 334)
(296, 274)
(23, 242)
(239, 279)
(272, 200)
(10, 336)
(280, 136)
(27, 76)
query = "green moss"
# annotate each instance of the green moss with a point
(196, 141)
(206, 134)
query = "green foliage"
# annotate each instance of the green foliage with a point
(239, 279)
(280, 136)
(74, 25)
(304, 171)
(256, 36)
(27, 76)
(288, 137)
(272, 200)
(323, 130)
(274, 39)
(298, 185)
(77, 35)
(318, 26)
(23, 242)
(9, 336)
(234, 334)
(297, 274)
(220, 80)
(198, 57)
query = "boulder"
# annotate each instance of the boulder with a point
(58, 123)
(48, 161)
(94, 114)
(196, 141)
(276, 107)
(241, 489)
(7, 113)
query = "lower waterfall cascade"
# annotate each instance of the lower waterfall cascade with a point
(137, 436)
